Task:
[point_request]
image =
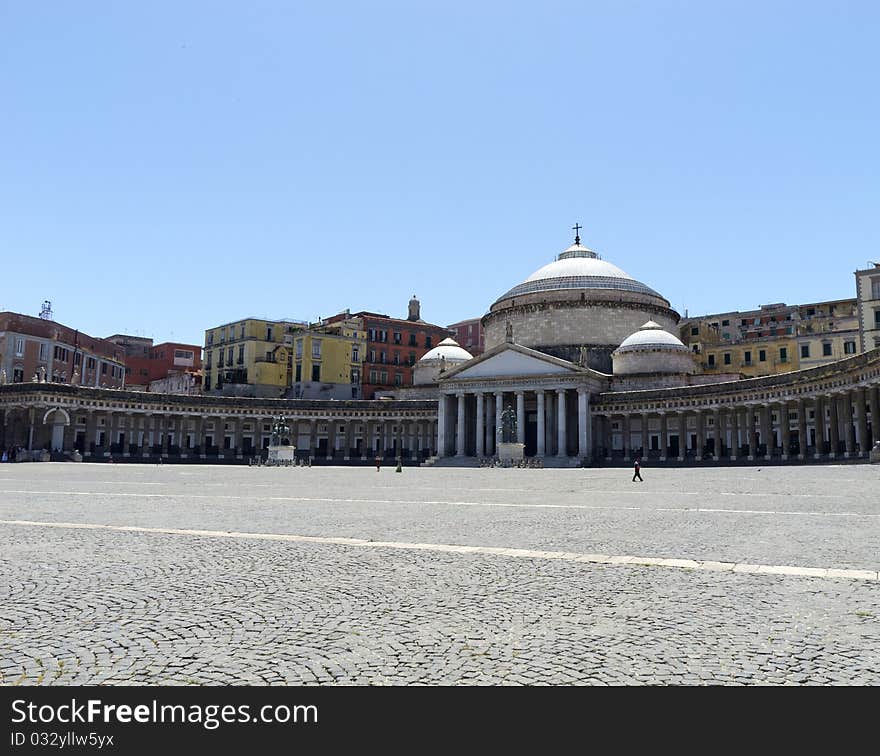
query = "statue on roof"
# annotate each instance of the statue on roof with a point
(509, 332)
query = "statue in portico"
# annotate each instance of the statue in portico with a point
(507, 431)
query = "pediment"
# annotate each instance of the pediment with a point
(512, 361)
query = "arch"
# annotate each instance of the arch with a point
(57, 409)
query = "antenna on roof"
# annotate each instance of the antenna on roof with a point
(46, 310)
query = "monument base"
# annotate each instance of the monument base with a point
(281, 455)
(875, 454)
(511, 452)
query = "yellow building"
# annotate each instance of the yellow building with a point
(828, 331)
(249, 357)
(327, 360)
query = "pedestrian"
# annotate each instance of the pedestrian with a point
(399, 465)
(637, 471)
(5, 456)
(378, 462)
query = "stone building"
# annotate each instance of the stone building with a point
(868, 297)
(34, 347)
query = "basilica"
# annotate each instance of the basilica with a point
(582, 355)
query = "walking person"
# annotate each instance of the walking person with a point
(378, 462)
(637, 471)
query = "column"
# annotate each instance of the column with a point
(398, 452)
(784, 429)
(520, 417)
(499, 408)
(862, 422)
(111, 431)
(766, 431)
(701, 434)
(833, 404)
(331, 437)
(481, 427)
(442, 406)
(489, 430)
(682, 434)
(91, 432)
(718, 433)
(627, 436)
(819, 425)
(802, 428)
(561, 451)
(750, 431)
(585, 428)
(875, 414)
(734, 434)
(541, 429)
(238, 436)
(313, 437)
(459, 435)
(664, 437)
(849, 431)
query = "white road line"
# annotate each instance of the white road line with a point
(444, 502)
(568, 556)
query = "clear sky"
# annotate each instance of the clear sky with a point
(166, 167)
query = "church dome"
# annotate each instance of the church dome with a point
(651, 336)
(578, 268)
(652, 350)
(448, 349)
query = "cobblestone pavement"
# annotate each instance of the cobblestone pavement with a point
(135, 607)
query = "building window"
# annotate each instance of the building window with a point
(805, 351)
(747, 357)
(103, 368)
(397, 358)
(355, 376)
(412, 336)
(428, 338)
(219, 358)
(849, 347)
(382, 357)
(412, 359)
(210, 338)
(727, 358)
(316, 372)
(355, 354)
(826, 349)
(762, 355)
(398, 336)
(695, 330)
(783, 354)
(316, 349)
(373, 376)
(241, 355)
(19, 347)
(299, 372)
(725, 322)
(17, 375)
(269, 333)
(229, 352)
(877, 318)
(875, 288)
(384, 376)
(241, 331)
(299, 349)
(398, 379)
(210, 356)
(90, 363)
(270, 356)
(44, 352)
(711, 360)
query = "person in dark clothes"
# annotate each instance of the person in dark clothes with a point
(637, 475)
(378, 462)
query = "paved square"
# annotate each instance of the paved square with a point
(133, 574)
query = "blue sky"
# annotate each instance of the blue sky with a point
(168, 167)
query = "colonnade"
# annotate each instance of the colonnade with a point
(835, 424)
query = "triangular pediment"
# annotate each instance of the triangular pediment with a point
(511, 360)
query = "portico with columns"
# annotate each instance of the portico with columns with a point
(550, 398)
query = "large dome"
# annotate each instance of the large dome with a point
(577, 302)
(578, 268)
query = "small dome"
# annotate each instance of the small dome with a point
(651, 336)
(449, 349)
